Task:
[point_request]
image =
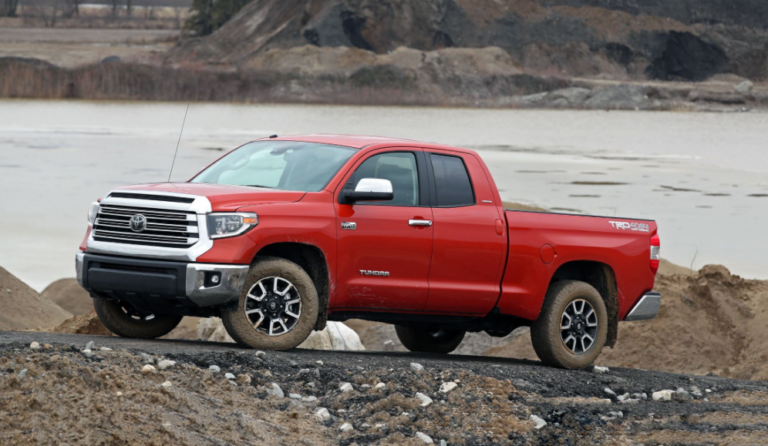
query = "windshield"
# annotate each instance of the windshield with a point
(287, 165)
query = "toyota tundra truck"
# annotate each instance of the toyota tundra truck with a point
(283, 234)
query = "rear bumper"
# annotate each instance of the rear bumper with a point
(646, 308)
(154, 284)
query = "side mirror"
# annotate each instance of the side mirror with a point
(368, 189)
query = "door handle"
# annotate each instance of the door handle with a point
(420, 222)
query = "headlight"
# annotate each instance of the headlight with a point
(93, 212)
(222, 225)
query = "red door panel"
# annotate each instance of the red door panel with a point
(469, 251)
(383, 241)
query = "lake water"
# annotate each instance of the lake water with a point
(702, 177)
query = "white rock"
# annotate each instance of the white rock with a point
(34, 346)
(322, 414)
(345, 387)
(335, 336)
(90, 345)
(309, 399)
(425, 400)
(319, 362)
(424, 437)
(539, 422)
(212, 329)
(609, 391)
(87, 352)
(147, 369)
(744, 87)
(119, 394)
(630, 401)
(105, 349)
(229, 376)
(623, 397)
(346, 427)
(22, 374)
(447, 387)
(214, 368)
(260, 354)
(274, 389)
(443, 443)
(416, 367)
(148, 358)
(663, 395)
(165, 364)
(294, 396)
(600, 369)
(380, 386)
(166, 384)
(617, 414)
(707, 390)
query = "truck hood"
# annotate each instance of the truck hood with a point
(224, 197)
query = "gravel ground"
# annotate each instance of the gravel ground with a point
(69, 395)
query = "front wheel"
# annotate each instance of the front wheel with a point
(426, 340)
(572, 327)
(125, 321)
(277, 309)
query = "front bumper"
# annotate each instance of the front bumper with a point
(646, 308)
(153, 284)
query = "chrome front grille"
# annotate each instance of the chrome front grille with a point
(161, 227)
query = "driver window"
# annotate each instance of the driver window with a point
(397, 167)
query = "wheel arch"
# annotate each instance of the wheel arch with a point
(601, 276)
(313, 261)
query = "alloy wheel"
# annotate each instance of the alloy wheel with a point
(273, 306)
(578, 326)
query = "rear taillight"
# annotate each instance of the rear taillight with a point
(655, 253)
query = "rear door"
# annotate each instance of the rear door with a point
(469, 238)
(385, 247)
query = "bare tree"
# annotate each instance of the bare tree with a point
(8, 8)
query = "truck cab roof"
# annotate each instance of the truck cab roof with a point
(363, 142)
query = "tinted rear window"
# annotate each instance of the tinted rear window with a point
(454, 187)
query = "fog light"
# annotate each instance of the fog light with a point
(212, 279)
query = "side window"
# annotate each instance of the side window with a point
(452, 182)
(397, 167)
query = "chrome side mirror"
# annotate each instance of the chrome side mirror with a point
(368, 189)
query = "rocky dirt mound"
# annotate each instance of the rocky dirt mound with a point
(65, 389)
(709, 322)
(86, 324)
(69, 295)
(23, 308)
(690, 39)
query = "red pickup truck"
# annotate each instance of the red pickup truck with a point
(285, 233)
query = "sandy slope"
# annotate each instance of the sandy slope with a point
(24, 308)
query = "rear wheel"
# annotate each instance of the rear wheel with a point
(429, 340)
(572, 327)
(277, 309)
(124, 320)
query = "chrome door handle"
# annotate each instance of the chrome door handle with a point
(420, 222)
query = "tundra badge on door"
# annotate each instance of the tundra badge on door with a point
(367, 272)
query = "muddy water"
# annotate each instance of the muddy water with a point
(703, 177)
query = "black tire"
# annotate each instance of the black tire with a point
(124, 321)
(241, 326)
(429, 340)
(564, 348)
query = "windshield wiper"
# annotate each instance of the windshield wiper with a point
(259, 185)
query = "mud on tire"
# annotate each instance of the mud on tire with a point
(429, 340)
(261, 298)
(123, 320)
(568, 304)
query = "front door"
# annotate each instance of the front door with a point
(385, 247)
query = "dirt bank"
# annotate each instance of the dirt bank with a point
(24, 308)
(710, 322)
(64, 393)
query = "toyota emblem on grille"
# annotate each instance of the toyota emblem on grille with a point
(138, 223)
